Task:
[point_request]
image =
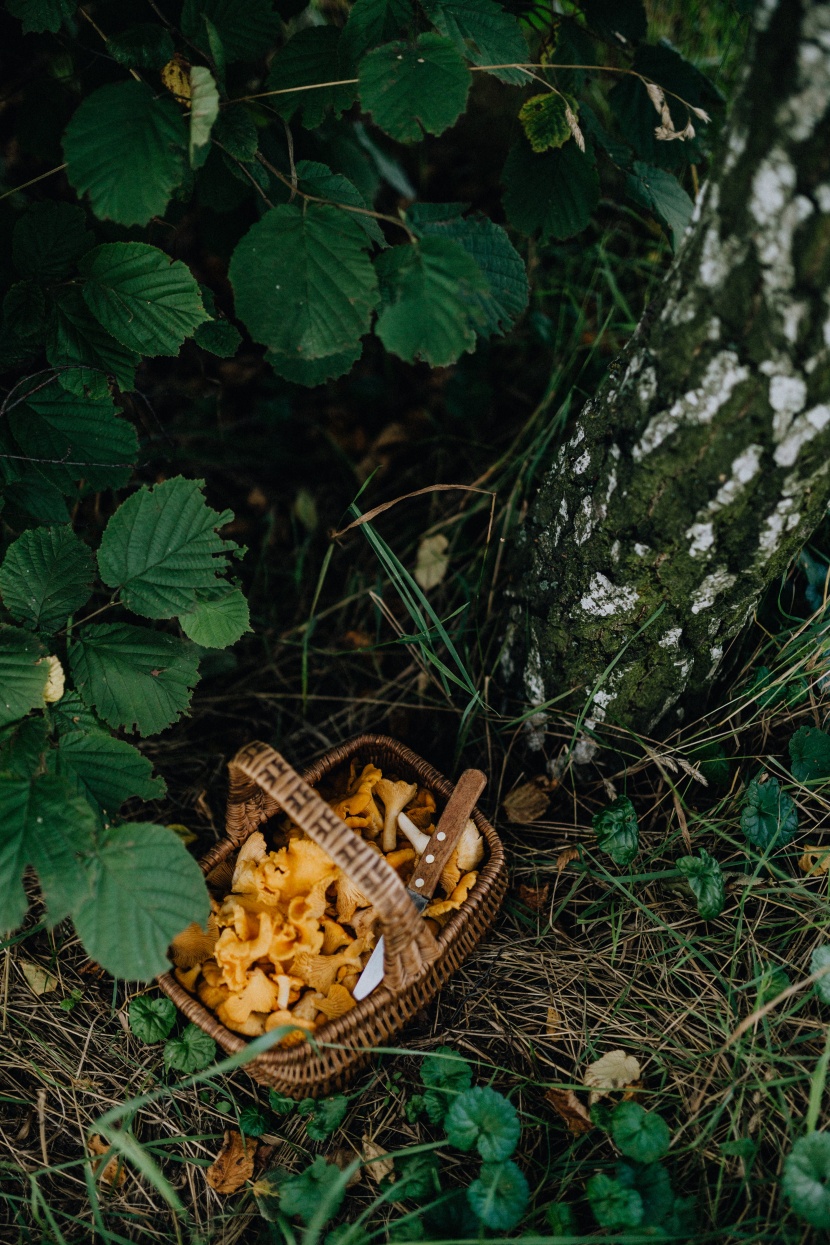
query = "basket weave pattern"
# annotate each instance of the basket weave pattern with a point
(417, 963)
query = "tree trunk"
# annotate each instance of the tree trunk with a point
(701, 466)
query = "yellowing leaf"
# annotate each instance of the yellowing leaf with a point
(575, 1114)
(815, 861)
(553, 1025)
(184, 833)
(40, 981)
(176, 77)
(113, 1174)
(234, 1164)
(613, 1071)
(432, 561)
(56, 682)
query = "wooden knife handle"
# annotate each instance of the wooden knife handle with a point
(428, 869)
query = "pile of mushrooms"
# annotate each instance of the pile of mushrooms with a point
(288, 942)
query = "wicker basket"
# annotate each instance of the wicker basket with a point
(417, 963)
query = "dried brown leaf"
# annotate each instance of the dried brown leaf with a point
(114, 1173)
(534, 897)
(382, 1166)
(528, 802)
(553, 1025)
(234, 1164)
(575, 1114)
(565, 857)
(40, 980)
(613, 1071)
(815, 861)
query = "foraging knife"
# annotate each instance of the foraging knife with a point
(430, 865)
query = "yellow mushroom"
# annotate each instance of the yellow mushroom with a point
(422, 809)
(395, 797)
(235, 955)
(336, 1003)
(252, 851)
(188, 977)
(194, 944)
(441, 909)
(258, 995)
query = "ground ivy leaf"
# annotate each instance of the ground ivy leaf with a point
(253, 1121)
(312, 55)
(161, 548)
(49, 238)
(806, 1178)
(219, 621)
(372, 22)
(23, 674)
(499, 1196)
(412, 88)
(323, 1116)
(418, 1177)
(483, 1118)
(133, 677)
(204, 109)
(639, 1134)
(544, 120)
(107, 771)
(809, 750)
(191, 1051)
(46, 575)
(769, 815)
(614, 1205)
(302, 281)
(484, 33)
(705, 878)
(151, 1019)
(445, 1069)
(146, 888)
(427, 290)
(303, 1193)
(662, 194)
(552, 194)
(125, 148)
(617, 831)
(652, 1182)
(246, 31)
(149, 302)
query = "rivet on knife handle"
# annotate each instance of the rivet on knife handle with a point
(428, 869)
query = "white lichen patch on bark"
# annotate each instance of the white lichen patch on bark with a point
(604, 599)
(800, 114)
(699, 406)
(672, 638)
(582, 463)
(702, 537)
(745, 467)
(711, 586)
(803, 429)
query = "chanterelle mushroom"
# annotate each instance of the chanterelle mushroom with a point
(466, 857)
(395, 796)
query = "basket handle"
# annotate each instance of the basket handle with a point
(261, 782)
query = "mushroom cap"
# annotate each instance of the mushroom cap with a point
(334, 937)
(258, 995)
(304, 865)
(336, 1003)
(194, 944)
(349, 898)
(252, 851)
(187, 977)
(235, 955)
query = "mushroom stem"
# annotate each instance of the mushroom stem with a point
(417, 838)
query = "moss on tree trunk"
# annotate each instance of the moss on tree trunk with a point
(701, 466)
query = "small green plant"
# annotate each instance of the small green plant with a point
(152, 1020)
(617, 830)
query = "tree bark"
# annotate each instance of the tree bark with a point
(701, 466)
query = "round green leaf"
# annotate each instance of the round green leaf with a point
(821, 959)
(245, 31)
(769, 815)
(107, 771)
(614, 1204)
(218, 622)
(311, 55)
(312, 372)
(639, 1134)
(705, 878)
(552, 194)
(253, 1121)
(370, 23)
(125, 148)
(806, 1178)
(46, 575)
(483, 1118)
(444, 1068)
(617, 831)
(146, 45)
(499, 1195)
(810, 754)
(42, 15)
(412, 88)
(80, 438)
(191, 1051)
(151, 1019)
(544, 120)
(483, 33)
(219, 337)
(82, 349)
(303, 1193)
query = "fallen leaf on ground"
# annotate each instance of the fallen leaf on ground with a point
(535, 897)
(40, 980)
(382, 1166)
(528, 802)
(432, 561)
(341, 1158)
(114, 1173)
(565, 857)
(234, 1164)
(358, 639)
(613, 1071)
(575, 1114)
(553, 1025)
(815, 861)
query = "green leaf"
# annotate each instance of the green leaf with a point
(806, 1178)
(639, 1134)
(810, 755)
(662, 194)
(483, 1118)
(617, 831)
(613, 1204)
(414, 88)
(38, 16)
(772, 981)
(204, 109)
(372, 22)
(133, 677)
(318, 179)
(191, 1051)
(705, 878)
(445, 1069)
(279, 1103)
(623, 21)
(144, 45)
(245, 31)
(24, 307)
(23, 746)
(712, 761)
(219, 621)
(323, 1116)
(220, 337)
(79, 438)
(46, 826)
(146, 888)
(46, 575)
(107, 771)
(253, 1121)
(499, 261)
(302, 282)
(23, 674)
(484, 33)
(428, 287)
(769, 815)
(48, 240)
(312, 55)
(418, 1177)
(652, 1182)
(125, 148)
(818, 960)
(74, 337)
(161, 548)
(553, 194)
(499, 1196)
(236, 131)
(302, 1194)
(151, 1019)
(149, 302)
(311, 372)
(544, 119)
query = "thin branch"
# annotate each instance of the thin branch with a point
(42, 177)
(346, 207)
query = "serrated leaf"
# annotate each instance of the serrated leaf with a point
(30, 500)
(71, 714)
(46, 826)
(23, 746)
(147, 301)
(38, 16)
(236, 130)
(49, 238)
(246, 31)
(662, 194)
(23, 674)
(428, 290)
(483, 1118)
(219, 337)
(553, 194)
(614, 1205)
(24, 307)
(769, 814)
(318, 179)
(445, 1069)
(809, 754)
(133, 677)
(806, 1178)
(484, 33)
(499, 261)
(705, 879)
(107, 771)
(302, 282)
(544, 120)
(323, 1116)
(312, 55)
(161, 546)
(83, 350)
(616, 830)
(372, 22)
(191, 1051)
(302, 1194)
(145, 889)
(79, 438)
(639, 1134)
(253, 1121)
(499, 1196)
(125, 148)
(204, 109)
(151, 1019)
(46, 575)
(412, 88)
(312, 372)
(218, 621)
(145, 45)
(624, 21)
(652, 1182)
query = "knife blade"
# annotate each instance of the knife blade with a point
(430, 865)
